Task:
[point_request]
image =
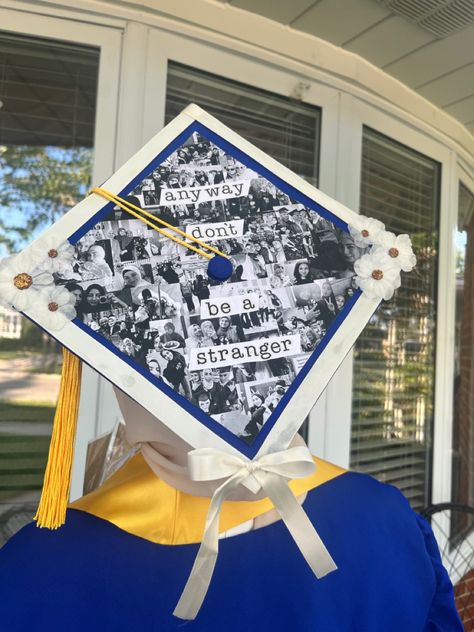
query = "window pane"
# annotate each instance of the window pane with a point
(284, 128)
(463, 405)
(48, 94)
(393, 392)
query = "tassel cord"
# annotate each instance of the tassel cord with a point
(52, 507)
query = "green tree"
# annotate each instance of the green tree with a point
(37, 186)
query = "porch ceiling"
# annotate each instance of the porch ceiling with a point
(426, 44)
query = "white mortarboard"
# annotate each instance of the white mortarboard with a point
(217, 288)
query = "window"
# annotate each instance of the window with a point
(287, 130)
(48, 95)
(463, 404)
(393, 392)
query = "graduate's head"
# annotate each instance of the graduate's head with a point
(204, 387)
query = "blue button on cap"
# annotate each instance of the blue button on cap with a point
(219, 268)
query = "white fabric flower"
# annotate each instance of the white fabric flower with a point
(378, 275)
(53, 307)
(398, 248)
(366, 230)
(50, 253)
(18, 282)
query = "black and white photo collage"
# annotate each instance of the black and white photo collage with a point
(232, 349)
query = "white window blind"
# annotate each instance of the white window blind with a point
(284, 128)
(48, 90)
(393, 386)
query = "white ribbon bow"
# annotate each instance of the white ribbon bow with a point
(269, 473)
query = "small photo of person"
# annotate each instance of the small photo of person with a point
(175, 371)
(78, 292)
(96, 299)
(302, 273)
(278, 275)
(124, 244)
(91, 263)
(170, 338)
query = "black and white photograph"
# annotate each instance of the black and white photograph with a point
(233, 348)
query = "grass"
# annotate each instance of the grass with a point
(26, 411)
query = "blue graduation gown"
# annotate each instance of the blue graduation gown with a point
(91, 575)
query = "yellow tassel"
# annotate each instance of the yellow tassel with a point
(57, 478)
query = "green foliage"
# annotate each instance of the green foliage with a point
(37, 186)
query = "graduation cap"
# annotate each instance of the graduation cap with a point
(217, 288)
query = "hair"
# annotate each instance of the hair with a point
(71, 286)
(259, 395)
(296, 273)
(95, 286)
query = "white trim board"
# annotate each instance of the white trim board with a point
(238, 30)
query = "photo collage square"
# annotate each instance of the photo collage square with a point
(232, 349)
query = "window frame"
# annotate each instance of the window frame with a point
(355, 114)
(455, 559)
(108, 42)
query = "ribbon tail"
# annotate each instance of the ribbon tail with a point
(199, 579)
(298, 524)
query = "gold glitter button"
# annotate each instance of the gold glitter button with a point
(23, 281)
